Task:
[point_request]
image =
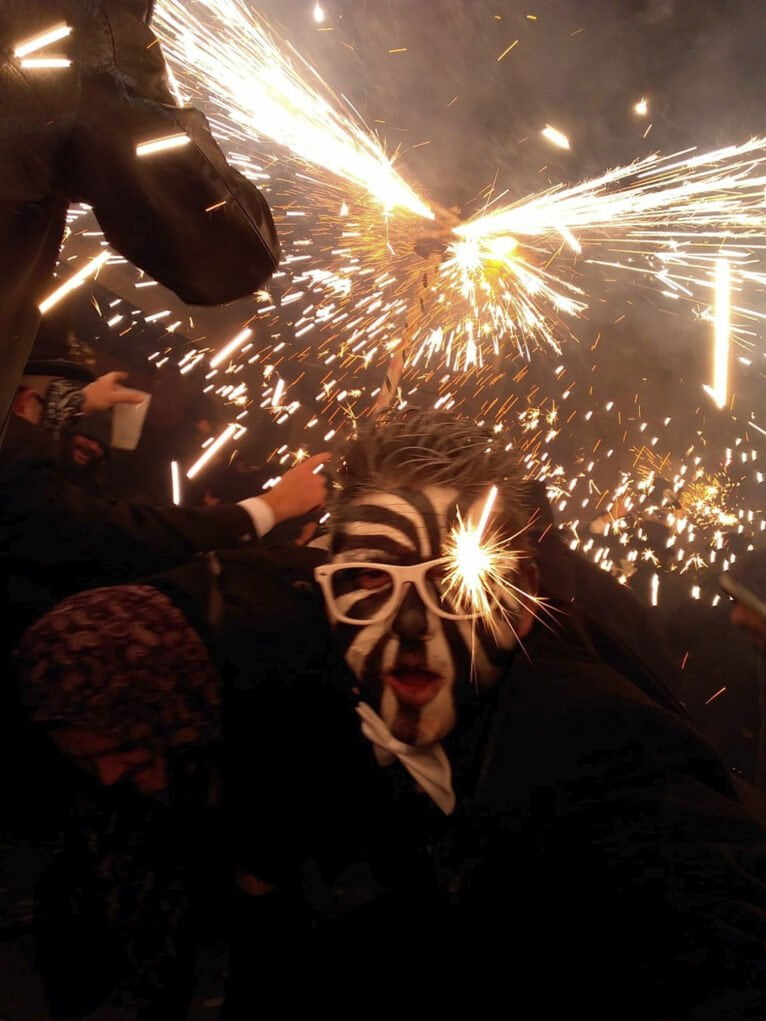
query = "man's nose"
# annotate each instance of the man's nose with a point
(411, 620)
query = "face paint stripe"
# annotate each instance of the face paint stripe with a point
(459, 649)
(428, 521)
(349, 541)
(374, 515)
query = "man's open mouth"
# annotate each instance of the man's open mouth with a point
(414, 686)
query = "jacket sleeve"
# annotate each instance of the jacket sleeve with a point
(183, 214)
(49, 526)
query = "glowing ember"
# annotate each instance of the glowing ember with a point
(555, 136)
(88, 270)
(162, 144)
(211, 451)
(722, 325)
(43, 39)
(481, 570)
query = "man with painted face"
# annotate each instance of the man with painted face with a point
(503, 801)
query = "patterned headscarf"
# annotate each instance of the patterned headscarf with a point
(123, 662)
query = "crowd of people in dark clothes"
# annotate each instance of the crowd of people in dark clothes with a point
(279, 702)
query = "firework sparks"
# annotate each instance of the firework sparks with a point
(42, 63)
(175, 482)
(703, 500)
(233, 346)
(462, 324)
(88, 270)
(480, 569)
(42, 39)
(504, 278)
(555, 137)
(722, 328)
(162, 144)
(263, 88)
(670, 212)
(211, 450)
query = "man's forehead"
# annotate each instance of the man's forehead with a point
(400, 522)
(433, 500)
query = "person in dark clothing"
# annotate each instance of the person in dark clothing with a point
(140, 716)
(56, 539)
(184, 216)
(430, 807)
(140, 713)
(531, 806)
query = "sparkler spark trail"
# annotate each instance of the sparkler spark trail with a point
(161, 144)
(229, 349)
(555, 136)
(671, 214)
(89, 269)
(42, 39)
(480, 570)
(41, 63)
(262, 88)
(722, 326)
(210, 451)
(505, 278)
(175, 482)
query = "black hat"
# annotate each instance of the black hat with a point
(61, 368)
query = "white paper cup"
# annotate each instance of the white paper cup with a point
(128, 421)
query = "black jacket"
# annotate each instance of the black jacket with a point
(56, 539)
(602, 859)
(70, 134)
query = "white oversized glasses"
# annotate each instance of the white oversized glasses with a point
(363, 593)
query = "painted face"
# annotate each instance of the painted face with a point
(411, 664)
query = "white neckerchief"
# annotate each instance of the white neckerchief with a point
(429, 766)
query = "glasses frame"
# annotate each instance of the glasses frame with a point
(402, 574)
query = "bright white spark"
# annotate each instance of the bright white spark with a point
(161, 144)
(39, 63)
(43, 39)
(319, 14)
(642, 107)
(88, 270)
(234, 345)
(279, 389)
(210, 451)
(175, 481)
(263, 88)
(719, 391)
(555, 136)
(480, 574)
